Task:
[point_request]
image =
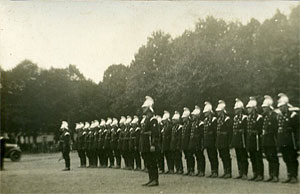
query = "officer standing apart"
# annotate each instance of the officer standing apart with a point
(65, 144)
(150, 140)
(269, 138)
(288, 137)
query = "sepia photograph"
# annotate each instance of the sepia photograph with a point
(149, 96)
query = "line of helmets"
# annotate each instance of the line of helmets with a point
(252, 103)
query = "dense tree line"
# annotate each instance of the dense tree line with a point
(216, 60)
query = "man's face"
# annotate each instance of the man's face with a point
(283, 108)
(238, 111)
(185, 119)
(266, 110)
(145, 109)
(206, 114)
(220, 113)
(250, 110)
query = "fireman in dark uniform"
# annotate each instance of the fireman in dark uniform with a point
(185, 138)
(239, 139)
(88, 143)
(269, 138)
(95, 142)
(166, 134)
(121, 136)
(196, 141)
(254, 131)
(80, 140)
(223, 140)
(150, 141)
(65, 144)
(131, 145)
(288, 137)
(107, 144)
(209, 139)
(101, 139)
(176, 143)
(142, 124)
(160, 155)
(115, 131)
(125, 148)
(135, 143)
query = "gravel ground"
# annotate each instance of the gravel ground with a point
(41, 173)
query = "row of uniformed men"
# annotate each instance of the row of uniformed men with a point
(251, 135)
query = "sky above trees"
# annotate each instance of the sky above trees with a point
(95, 35)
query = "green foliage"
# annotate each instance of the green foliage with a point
(216, 60)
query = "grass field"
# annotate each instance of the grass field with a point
(41, 173)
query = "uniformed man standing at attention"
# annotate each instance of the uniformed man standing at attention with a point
(269, 138)
(185, 139)
(115, 131)
(101, 139)
(160, 156)
(254, 131)
(176, 143)
(223, 140)
(288, 137)
(238, 141)
(142, 124)
(209, 139)
(107, 144)
(150, 141)
(121, 137)
(136, 140)
(80, 140)
(166, 134)
(196, 141)
(65, 144)
(126, 138)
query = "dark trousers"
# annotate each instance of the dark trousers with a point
(224, 154)
(200, 160)
(130, 159)
(109, 156)
(137, 159)
(190, 160)
(178, 161)
(290, 156)
(144, 159)
(170, 160)
(213, 159)
(273, 161)
(101, 156)
(160, 161)
(66, 156)
(82, 157)
(150, 157)
(126, 158)
(242, 160)
(117, 155)
(94, 157)
(257, 162)
(89, 156)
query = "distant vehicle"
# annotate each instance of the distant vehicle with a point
(12, 151)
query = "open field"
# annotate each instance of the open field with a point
(41, 173)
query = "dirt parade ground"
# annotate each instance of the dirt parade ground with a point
(41, 173)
